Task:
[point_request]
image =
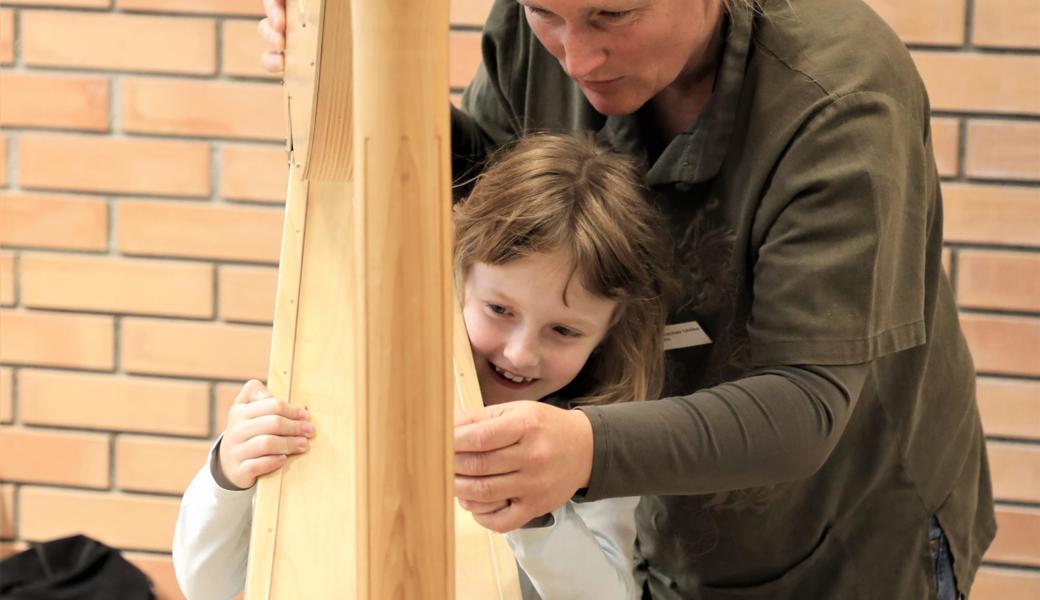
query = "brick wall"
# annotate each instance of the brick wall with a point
(141, 178)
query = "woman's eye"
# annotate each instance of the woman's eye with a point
(566, 331)
(541, 12)
(614, 14)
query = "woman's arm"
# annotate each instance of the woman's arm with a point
(587, 552)
(211, 541)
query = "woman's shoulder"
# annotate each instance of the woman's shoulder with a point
(837, 47)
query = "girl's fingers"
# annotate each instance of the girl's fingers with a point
(263, 445)
(275, 10)
(273, 62)
(255, 467)
(252, 391)
(271, 35)
(270, 407)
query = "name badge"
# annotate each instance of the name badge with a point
(684, 335)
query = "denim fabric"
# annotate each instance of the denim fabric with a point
(942, 561)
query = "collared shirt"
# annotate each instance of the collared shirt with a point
(806, 213)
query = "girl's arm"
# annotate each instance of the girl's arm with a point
(211, 542)
(587, 552)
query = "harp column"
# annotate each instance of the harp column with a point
(363, 325)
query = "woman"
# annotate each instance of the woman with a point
(820, 438)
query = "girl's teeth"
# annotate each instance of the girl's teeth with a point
(511, 376)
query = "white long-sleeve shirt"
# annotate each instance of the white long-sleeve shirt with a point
(585, 553)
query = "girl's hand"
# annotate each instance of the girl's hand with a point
(262, 432)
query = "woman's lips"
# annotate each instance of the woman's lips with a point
(601, 85)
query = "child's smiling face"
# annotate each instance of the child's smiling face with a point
(527, 343)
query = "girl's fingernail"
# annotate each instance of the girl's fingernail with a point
(308, 428)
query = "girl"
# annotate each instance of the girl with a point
(563, 274)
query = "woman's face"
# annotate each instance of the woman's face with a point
(622, 53)
(527, 343)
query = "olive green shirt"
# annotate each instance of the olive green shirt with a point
(806, 213)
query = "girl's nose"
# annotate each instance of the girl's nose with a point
(522, 351)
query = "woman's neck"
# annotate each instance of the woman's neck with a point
(675, 108)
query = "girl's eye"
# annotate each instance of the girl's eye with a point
(541, 12)
(566, 331)
(613, 15)
(498, 309)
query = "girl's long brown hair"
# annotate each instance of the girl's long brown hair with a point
(549, 192)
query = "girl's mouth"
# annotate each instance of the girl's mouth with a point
(510, 379)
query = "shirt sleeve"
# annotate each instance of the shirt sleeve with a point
(587, 551)
(211, 540)
(778, 424)
(840, 238)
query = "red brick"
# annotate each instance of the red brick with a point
(118, 285)
(223, 7)
(986, 83)
(1003, 149)
(242, 48)
(225, 393)
(68, 3)
(54, 457)
(924, 21)
(124, 521)
(254, 173)
(59, 101)
(946, 139)
(247, 293)
(6, 36)
(464, 57)
(219, 232)
(158, 568)
(1017, 532)
(113, 402)
(118, 42)
(1007, 24)
(52, 221)
(1015, 468)
(991, 214)
(7, 512)
(1010, 407)
(469, 12)
(3, 161)
(1000, 280)
(85, 163)
(999, 583)
(6, 394)
(1005, 345)
(208, 350)
(57, 339)
(203, 108)
(7, 275)
(137, 457)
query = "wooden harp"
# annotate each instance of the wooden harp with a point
(363, 324)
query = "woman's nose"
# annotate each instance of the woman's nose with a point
(582, 55)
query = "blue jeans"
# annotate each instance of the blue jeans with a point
(945, 584)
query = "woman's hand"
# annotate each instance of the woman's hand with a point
(272, 31)
(520, 460)
(261, 433)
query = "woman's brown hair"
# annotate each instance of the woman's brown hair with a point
(548, 192)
